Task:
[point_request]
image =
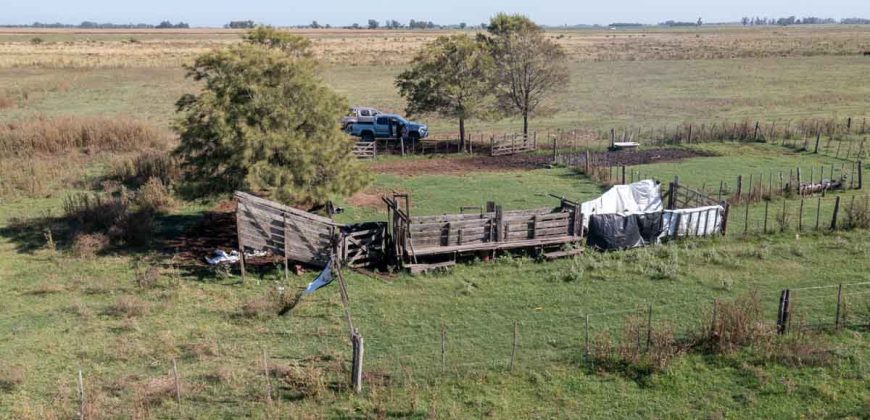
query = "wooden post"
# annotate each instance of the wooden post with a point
(783, 313)
(268, 378)
(739, 187)
(799, 181)
(649, 307)
(239, 239)
(801, 217)
(623, 174)
(286, 245)
(749, 193)
(554, 149)
(860, 174)
(818, 137)
(177, 382)
(839, 305)
(443, 348)
(755, 136)
(690, 134)
(836, 212)
(516, 343)
(818, 212)
(766, 205)
(713, 318)
(746, 220)
(357, 367)
(81, 386)
(586, 340)
(612, 138)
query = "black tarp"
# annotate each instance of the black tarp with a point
(615, 231)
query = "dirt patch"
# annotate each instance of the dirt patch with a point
(369, 198)
(461, 165)
(645, 156)
(466, 165)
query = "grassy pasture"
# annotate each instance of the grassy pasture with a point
(122, 324)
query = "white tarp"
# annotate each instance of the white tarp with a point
(701, 221)
(640, 197)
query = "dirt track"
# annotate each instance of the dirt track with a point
(465, 165)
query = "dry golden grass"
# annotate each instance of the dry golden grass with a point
(91, 135)
(150, 48)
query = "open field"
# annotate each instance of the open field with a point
(123, 314)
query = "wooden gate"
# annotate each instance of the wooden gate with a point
(365, 149)
(510, 144)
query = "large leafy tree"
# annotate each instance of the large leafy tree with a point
(448, 77)
(528, 67)
(264, 122)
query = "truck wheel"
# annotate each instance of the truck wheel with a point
(368, 136)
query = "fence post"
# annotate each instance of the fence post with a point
(860, 174)
(239, 239)
(177, 383)
(801, 217)
(739, 187)
(839, 304)
(443, 348)
(81, 386)
(586, 340)
(836, 212)
(649, 316)
(623, 174)
(766, 206)
(818, 212)
(755, 136)
(514, 349)
(783, 313)
(554, 149)
(746, 220)
(818, 137)
(357, 369)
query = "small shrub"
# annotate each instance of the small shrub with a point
(154, 197)
(147, 277)
(148, 165)
(36, 40)
(306, 381)
(738, 324)
(858, 214)
(127, 307)
(88, 245)
(112, 216)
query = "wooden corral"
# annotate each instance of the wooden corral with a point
(304, 237)
(414, 238)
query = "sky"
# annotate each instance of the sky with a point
(345, 12)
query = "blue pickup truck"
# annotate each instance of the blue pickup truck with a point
(387, 126)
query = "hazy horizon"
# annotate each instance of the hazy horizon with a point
(199, 13)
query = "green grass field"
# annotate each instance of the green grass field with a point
(123, 316)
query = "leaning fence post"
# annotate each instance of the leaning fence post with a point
(766, 206)
(860, 174)
(357, 368)
(516, 342)
(839, 304)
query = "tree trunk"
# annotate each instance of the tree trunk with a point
(462, 134)
(525, 124)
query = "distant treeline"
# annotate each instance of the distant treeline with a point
(809, 20)
(96, 25)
